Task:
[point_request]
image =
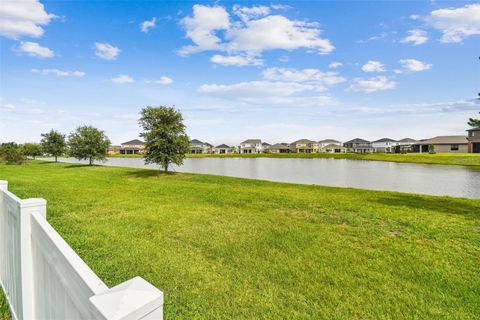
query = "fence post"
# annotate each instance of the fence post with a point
(3, 184)
(131, 300)
(27, 207)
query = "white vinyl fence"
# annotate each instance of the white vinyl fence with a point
(43, 278)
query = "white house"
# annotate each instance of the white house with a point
(251, 146)
(326, 142)
(222, 149)
(197, 146)
(384, 145)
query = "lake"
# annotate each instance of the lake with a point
(455, 181)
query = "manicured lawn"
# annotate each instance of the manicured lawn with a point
(463, 159)
(224, 248)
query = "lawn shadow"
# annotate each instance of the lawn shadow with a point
(145, 173)
(80, 165)
(466, 207)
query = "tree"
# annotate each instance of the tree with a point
(32, 149)
(165, 139)
(53, 143)
(12, 153)
(87, 142)
(474, 123)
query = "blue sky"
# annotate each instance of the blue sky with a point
(279, 71)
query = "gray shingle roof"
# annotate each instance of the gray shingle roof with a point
(222, 146)
(303, 141)
(357, 140)
(446, 140)
(252, 141)
(385, 140)
(134, 142)
(408, 140)
(195, 141)
(329, 141)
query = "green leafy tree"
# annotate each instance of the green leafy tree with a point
(12, 153)
(165, 139)
(32, 149)
(474, 123)
(87, 142)
(53, 143)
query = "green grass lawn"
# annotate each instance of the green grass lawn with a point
(222, 248)
(463, 159)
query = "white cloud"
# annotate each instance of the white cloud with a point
(284, 59)
(28, 101)
(251, 35)
(201, 27)
(313, 76)
(7, 107)
(33, 49)
(145, 26)
(413, 65)
(59, 73)
(247, 13)
(335, 65)
(106, 51)
(163, 80)
(416, 37)
(123, 78)
(456, 24)
(269, 93)
(237, 60)
(23, 18)
(371, 85)
(373, 66)
(280, 6)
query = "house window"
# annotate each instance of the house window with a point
(454, 147)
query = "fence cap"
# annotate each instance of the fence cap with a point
(131, 299)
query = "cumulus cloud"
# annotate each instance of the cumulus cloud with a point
(164, 80)
(416, 37)
(257, 31)
(145, 26)
(413, 65)
(456, 24)
(373, 66)
(236, 60)
(106, 51)
(313, 76)
(23, 18)
(335, 65)
(33, 49)
(370, 85)
(121, 79)
(59, 73)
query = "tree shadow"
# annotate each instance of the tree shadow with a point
(145, 173)
(79, 165)
(469, 208)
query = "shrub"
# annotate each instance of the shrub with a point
(12, 153)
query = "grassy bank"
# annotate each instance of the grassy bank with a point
(225, 248)
(462, 159)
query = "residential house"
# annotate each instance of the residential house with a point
(333, 148)
(384, 145)
(474, 140)
(326, 142)
(304, 146)
(358, 145)
(266, 147)
(222, 149)
(442, 144)
(405, 145)
(251, 146)
(280, 148)
(198, 147)
(132, 147)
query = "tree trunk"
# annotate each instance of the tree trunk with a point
(90, 161)
(56, 160)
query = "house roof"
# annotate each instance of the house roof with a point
(303, 141)
(195, 141)
(252, 141)
(446, 140)
(357, 140)
(474, 129)
(407, 140)
(279, 146)
(329, 141)
(265, 144)
(385, 140)
(134, 142)
(222, 146)
(208, 144)
(332, 145)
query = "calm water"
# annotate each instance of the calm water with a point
(454, 181)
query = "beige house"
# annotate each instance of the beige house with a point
(280, 148)
(304, 146)
(113, 150)
(222, 149)
(326, 142)
(198, 147)
(474, 140)
(333, 148)
(132, 147)
(443, 144)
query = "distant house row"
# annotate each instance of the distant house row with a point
(440, 144)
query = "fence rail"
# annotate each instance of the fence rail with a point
(43, 278)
